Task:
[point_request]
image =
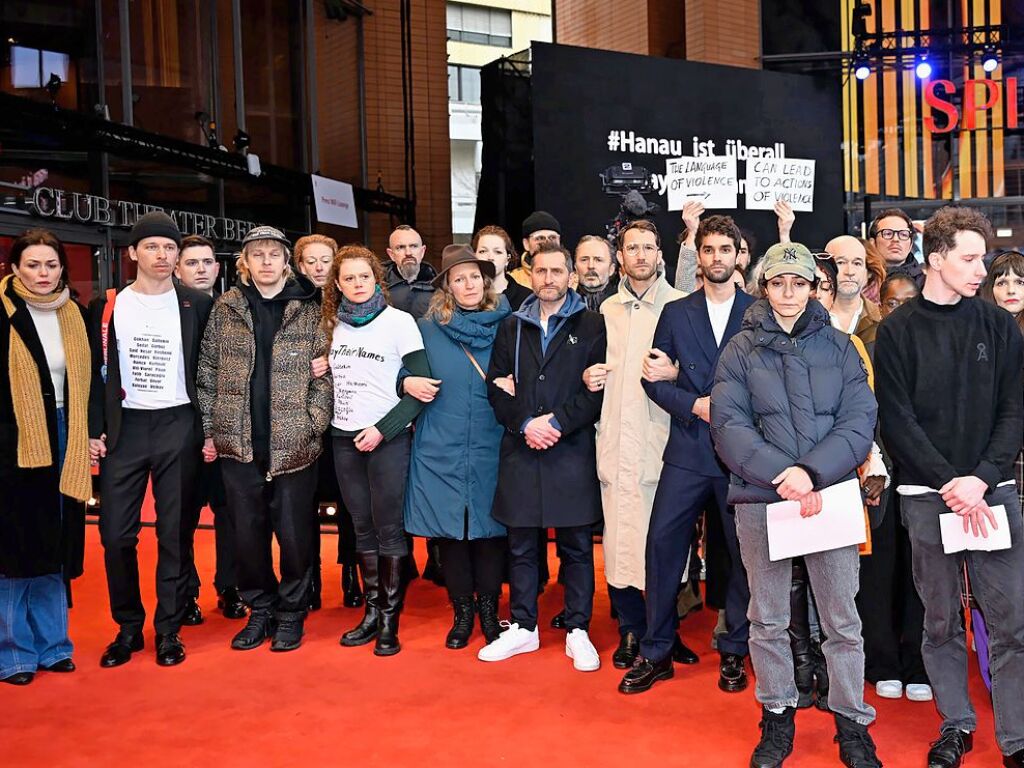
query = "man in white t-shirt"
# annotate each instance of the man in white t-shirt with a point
(143, 425)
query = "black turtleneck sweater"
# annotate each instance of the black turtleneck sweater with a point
(950, 386)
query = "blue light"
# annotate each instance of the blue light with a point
(923, 70)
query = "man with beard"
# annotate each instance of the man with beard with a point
(408, 277)
(851, 312)
(678, 374)
(596, 270)
(632, 432)
(893, 232)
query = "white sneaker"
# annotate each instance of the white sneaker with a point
(919, 692)
(511, 642)
(889, 689)
(582, 652)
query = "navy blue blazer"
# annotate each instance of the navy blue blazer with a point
(684, 334)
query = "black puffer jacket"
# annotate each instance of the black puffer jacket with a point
(781, 400)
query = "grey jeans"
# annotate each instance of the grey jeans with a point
(834, 580)
(997, 581)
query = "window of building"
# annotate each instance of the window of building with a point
(474, 24)
(463, 84)
(32, 68)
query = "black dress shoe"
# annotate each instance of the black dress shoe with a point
(169, 650)
(64, 665)
(626, 653)
(949, 750)
(732, 673)
(193, 615)
(683, 655)
(1016, 760)
(646, 673)
(231, 604)
(19, 678)
(120, 651)
(558, 620)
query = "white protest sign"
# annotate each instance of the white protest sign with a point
(711, 180)
(773, 179)
(335, 202)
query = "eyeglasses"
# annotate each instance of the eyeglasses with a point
(900, 234)
(822, 255)
(634, 248)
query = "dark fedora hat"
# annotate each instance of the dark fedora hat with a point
(460, 254)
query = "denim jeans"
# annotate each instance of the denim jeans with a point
(834, 580)
(34, 611)
(997, 581)
(33, 623)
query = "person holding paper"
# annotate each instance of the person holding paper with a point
(950, 390)
(678, 376)
(791, 415)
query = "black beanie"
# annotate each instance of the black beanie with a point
(155, 224)
(540, 220)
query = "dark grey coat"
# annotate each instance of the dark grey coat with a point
(782, 400)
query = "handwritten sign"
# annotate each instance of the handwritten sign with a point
(773, 179)
(335, 202)
(711, 180)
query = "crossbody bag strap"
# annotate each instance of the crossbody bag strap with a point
(474, 362)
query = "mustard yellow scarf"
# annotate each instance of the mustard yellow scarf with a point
(34, 448)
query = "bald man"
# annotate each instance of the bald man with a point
(851, 312)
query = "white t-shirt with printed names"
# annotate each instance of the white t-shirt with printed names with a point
(365, 361)
(149, 353)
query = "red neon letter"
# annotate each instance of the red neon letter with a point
(938, 104)
(971, 107)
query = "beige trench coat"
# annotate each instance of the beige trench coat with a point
(632, 432)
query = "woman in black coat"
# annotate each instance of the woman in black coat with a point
(44, 457)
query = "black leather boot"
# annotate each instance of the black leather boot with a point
(368, 628)
(352, 593)
(777, 732)
(258, 629)
(856, 749)
(820, 676)
(462, 625)
(487, 609)
(392, 594)
(288, 635)
(433, 570)
(800, 637)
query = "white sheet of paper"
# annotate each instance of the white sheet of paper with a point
(951, 525)
(839, 524)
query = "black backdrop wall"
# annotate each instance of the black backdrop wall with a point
(580, 96)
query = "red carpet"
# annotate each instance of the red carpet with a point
(328, 705)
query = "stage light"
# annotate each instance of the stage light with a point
(93, 501)
(331, 511)
(923, 70)
(989, 59)
(861, 68)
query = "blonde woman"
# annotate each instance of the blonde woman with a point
(454, 469)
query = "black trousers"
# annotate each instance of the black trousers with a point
(577, 569)
(211, 491)
(161, 444)
(263, 509)
(473, 566)
(373, 486)
(890, 610)
(630, 609)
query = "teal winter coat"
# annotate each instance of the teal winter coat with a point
(454, 468)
